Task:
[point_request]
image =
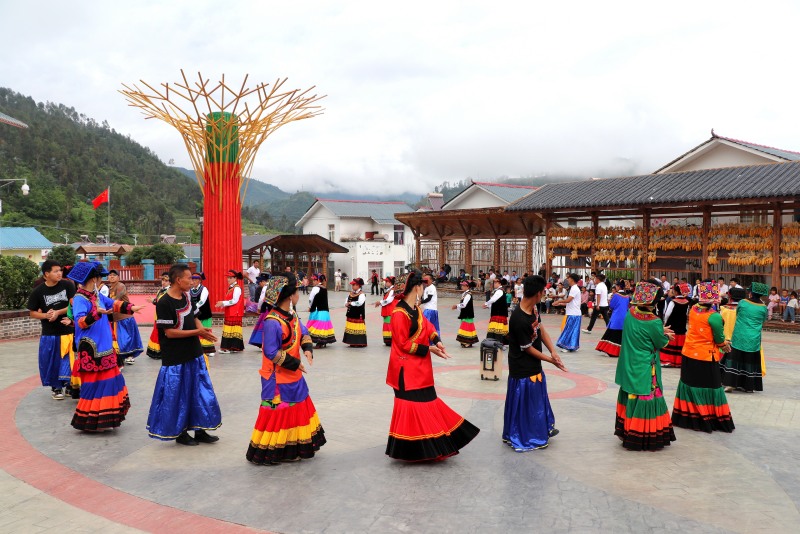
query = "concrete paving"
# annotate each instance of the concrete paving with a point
(584, 482)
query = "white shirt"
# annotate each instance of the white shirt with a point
(388, 297)
(237, 294)
(252, 273)
(312, 294)
(723, 290)
(338, 275)
(430, 291)
(104, 290)
(495, 296)
(550, 293)
(601, 294)
(573, 307)
(202, 300)
(358, 302)
(465, 298)
(519, 290)
(666, 285)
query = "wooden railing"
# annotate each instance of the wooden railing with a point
(136, 272)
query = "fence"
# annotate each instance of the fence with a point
(136, 272)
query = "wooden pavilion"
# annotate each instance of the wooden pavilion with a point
(476, 239)
(300, 252)
(731, 222)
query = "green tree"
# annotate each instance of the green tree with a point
(64, 255)
(160, 253)
(17, 276)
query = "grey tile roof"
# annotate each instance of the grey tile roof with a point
(380, 212)
(784, 154)
(22, 238)
(731, 183)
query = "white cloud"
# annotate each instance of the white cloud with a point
(422, 92)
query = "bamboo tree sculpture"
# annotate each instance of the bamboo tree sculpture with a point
(222, 128)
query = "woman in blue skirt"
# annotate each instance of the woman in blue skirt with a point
(529, 422)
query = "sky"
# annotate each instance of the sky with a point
(418, 93)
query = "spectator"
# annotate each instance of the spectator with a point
(373, 278)
(561, 293)
(774, 301)
(549, 296)
(252, 275)
(783, 302)
(584, 301)
(337, 280)
(791, 308)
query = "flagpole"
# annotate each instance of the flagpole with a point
(108, 220)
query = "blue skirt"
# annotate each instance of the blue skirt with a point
(183, 399)
(570, 338)
(51, 363)
(433, 317)
(528, 419)
(128, 338)
(257, 336)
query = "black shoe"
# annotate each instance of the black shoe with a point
(553, 432)
(186, 439)
(201, 436)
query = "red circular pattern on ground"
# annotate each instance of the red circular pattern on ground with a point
(585, 386)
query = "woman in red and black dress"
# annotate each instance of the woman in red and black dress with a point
(232, 340)
(423, 427)
(675, 316)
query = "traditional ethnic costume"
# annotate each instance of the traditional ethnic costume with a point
(257, 335)
(528, 420)
(430, 309)
(423, 427)
(232, 340)
(55, 343)
(126, 329)
(388, 302)
(642, 421)
(467, 335)
(319, 323)
(355, 330)
(153, 348)
(183, 398)
(618, 304)
(675, 317)
(700, 402)
(570, 338)
(498, 316)
(287, 427)
(743, 366)
(202, 310)
(104, 396)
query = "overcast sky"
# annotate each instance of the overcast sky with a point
(422, 92)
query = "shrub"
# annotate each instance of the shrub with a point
(160, 253)
(17, 276)
(64, 255)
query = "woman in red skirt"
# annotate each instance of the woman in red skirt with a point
(675, 317)
(287, 428)
(423, 427)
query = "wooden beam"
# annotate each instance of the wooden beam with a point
(496, 256)
(645, 244)
(468, 255)
(548, 225)
(595, 224)
(704, 234)
(776, 245)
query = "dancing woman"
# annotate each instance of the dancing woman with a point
(619, 304)
(467, 335)
(232, 340)
(675, 316)
(642, 422)
(423, 427)
(257, 335)
(287, 428)
(743, 367)
(319, 319)
(355, 330)
(387, 304)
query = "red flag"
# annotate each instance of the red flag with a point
(101, 198)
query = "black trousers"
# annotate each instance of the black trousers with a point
(374, 290)
(598, 310)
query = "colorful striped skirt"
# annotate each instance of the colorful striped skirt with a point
(528, 421)
(387, 331)
(232, 339)
(498, 328)
(700, 401)
(610, 342)
(742, 369)
(424, 428)
(257, 335)
(643, 422)
(153, 346)
(129, 341)
(467, 334)
(570, 338)
(103, 402)
(320, 327)
(671, 355)
(355, 332)
(207, 346)
(285, 432)
(183, 399)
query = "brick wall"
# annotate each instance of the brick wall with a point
(18, 324)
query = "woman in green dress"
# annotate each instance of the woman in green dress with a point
(743, 367)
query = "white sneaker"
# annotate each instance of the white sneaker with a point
(223, 351)
(563, 350)
(58, 395)
(212, 353)
(130, 360)
(586, 331)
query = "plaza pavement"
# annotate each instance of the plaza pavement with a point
(54, 477)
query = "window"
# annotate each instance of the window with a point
(332, 232)
(399, 268)
(375, 266)
(399, 234)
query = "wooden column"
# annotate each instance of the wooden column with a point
(704, 254)
(417, 248)
(496, 256)
(645, 244)
(325, 268)
(776, 245)
(529, 255)
(548, 224)
(468, 256)
(595, 224)
(442, 255)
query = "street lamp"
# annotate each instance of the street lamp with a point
(25, 190)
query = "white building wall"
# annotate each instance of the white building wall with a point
(474, 199)
(722, 156)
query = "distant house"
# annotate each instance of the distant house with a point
(24, 242)
(720, 152)
(368, 229)
(487, 195)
